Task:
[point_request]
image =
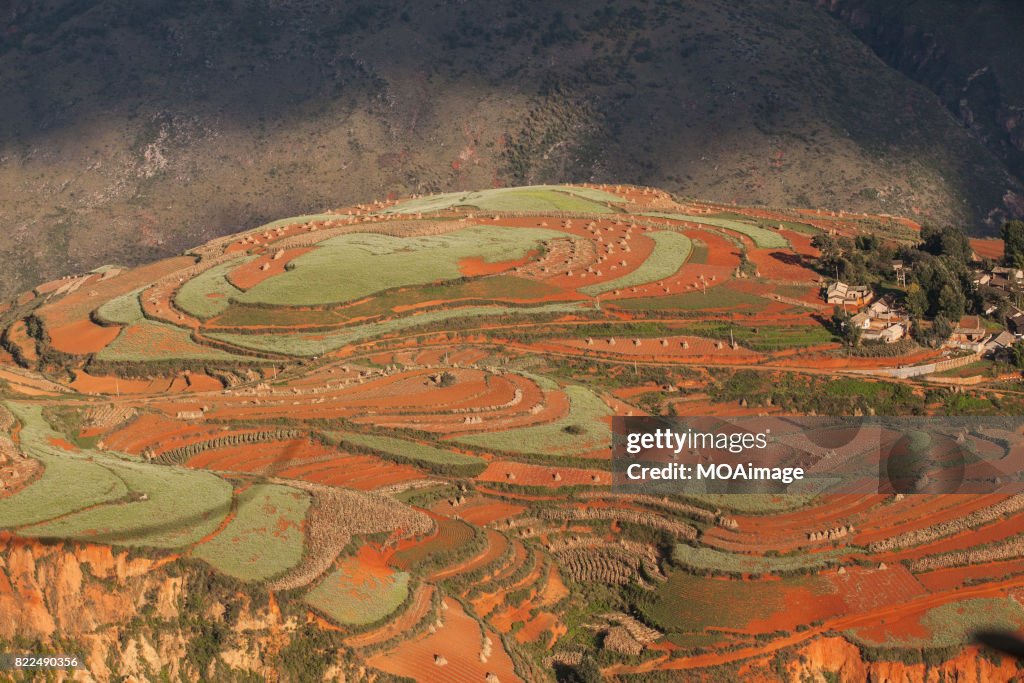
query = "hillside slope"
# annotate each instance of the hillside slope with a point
(136, 129)
(966, 53)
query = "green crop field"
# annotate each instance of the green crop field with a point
(100, 497)
(533, 198)
(754, 503)
(356, 599)
(124, 309)
(166, 507)
(315, 344)
(349, 267)
(70, 481)
(955, 623)
(583, 429)
(763, 239)
(208, 293)
(413, 452)
(264, 539)
(709, 559)
(671, 249)
(152, 341)
(716, 298)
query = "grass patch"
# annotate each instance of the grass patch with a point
(709, 559)
(356, 265)
(531, 198)
(719, 297)
(352, 598)
(99, 497)
(436, 459)
(762, 238)
(152, 341)
(583, 429)
(265, 538)
(166, 507)
(208, 293)
(671, 249)
(955, 623)
(69, 482)
(123, 310)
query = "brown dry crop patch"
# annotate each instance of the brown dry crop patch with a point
(1000, 530)
(866, 590)
(77, 305)
(909, 513)
(459, 642)
(496, 545)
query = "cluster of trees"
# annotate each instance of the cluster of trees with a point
(939, 286)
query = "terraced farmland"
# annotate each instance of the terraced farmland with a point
(385, 429)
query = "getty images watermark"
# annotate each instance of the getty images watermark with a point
(816, 455)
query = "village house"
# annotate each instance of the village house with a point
(882, 321)
(841, 294)
(1015, 320)
(999, 346)
(1000, 277)
(969, 333)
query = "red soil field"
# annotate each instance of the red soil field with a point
(93, 384)
(17, 335)
(864, 590)
(76, 306)
(486, 512)
(958, 577)
(458, 641)
(470, 267)
(363, 472)
(61, 443)
(541, 475)
(82, 337)
(250, 274)
(698, 349)
(988, 248)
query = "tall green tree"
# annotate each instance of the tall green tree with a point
(1013, 243)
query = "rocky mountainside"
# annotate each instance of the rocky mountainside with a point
(133, 129)
(966, 52)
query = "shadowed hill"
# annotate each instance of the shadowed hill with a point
(136, 129)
